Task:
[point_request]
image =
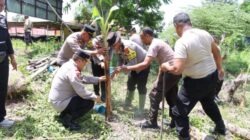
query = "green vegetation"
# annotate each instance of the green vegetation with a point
(36, 50)
(131, 12)
(225, 19)
(237, 62)
(36, 119)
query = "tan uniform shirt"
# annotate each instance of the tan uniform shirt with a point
(68, 83)
(161, 51)
(195, 47)
(70, 46)
(27, 25)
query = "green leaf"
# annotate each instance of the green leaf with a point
(95, 13)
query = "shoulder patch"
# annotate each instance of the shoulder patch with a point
(130, 54)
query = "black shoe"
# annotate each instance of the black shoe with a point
(220, 128)
(182, 138)
(221, 131)
(72, 126)
(148, 124)
(67, 122)
(172, 124)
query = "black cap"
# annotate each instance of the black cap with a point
(181, 18)
(113, 38)
(89, 29)
(82, 54)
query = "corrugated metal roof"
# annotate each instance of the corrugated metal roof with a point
(36, 8)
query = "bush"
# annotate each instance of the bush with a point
(237, 61)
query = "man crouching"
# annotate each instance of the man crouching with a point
(68, 94)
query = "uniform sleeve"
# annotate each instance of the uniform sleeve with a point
(79, 87)
(152, 50)
(73, 44)
(132, 62)
(89, 79)
(180, 50)
(10, 49)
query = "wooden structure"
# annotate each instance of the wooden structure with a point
(43, 29)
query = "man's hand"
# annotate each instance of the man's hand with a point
(98, 99)
(102, 78)
(124, 68)
(118, 69)
(102, 65)
(165, 67)
(102, 51)
(221, 74)
(115, 72)
(13, 63)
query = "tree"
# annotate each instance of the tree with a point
(131, 12)
(245, 6)
(103, 19)
(224, 18)
(83, 13)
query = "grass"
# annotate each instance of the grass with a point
(36, 119)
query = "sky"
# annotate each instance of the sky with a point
(176, 6)
(170, 10)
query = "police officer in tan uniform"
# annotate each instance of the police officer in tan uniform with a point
(131, 54)
(27, 30)
(68, 94)
(197, 57)
(78, 41)
(162, 52)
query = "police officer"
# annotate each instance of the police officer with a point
(132, 54)
(6, 52)
(68, 94)
(163, 53)
(27, 30)
(136, 38)
(198, 59)
(76, 41)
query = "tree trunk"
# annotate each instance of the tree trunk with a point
(108, 112)
(231, 86)
(241, 132)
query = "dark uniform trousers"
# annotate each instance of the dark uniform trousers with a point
(4, 75)
(98, 71)
(77, 107)
(140, 79)
(27, 38)
(171, 89)
(219, 84)
(192, 91)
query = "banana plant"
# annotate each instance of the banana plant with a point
(103, 18)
